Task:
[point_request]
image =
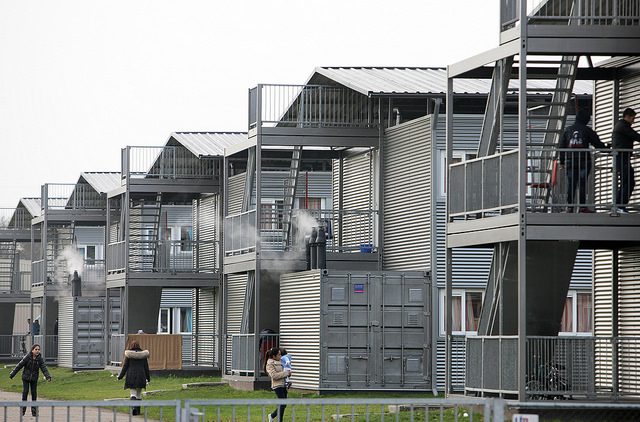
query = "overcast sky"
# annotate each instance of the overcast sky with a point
(81, 79)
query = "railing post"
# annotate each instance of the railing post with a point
(614, 180)
(498, 410)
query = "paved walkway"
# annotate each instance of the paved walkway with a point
(91, 413)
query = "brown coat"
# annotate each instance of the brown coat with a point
(276, 373)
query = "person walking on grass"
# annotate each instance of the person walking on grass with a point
(136, 367)
(32, 363)
(273, 367)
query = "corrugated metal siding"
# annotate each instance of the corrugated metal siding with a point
(176, 215)
(234, 193)
(176, 298)
(300, 326)
(66, 330)
(458, 367)
(235, 292)
(358, 188)
(89, 235)
(357, 184)
(628, 268)
(206, 320)
(205, 228)
(629, 316)
(407, 196)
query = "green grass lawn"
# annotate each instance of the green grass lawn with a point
(100, 385)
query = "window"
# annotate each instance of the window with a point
(466, 307)
(185, 320)
(164, 320)
(578, 313)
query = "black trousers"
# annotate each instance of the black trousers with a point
(26, 385)
(626, 178)
(281, 392)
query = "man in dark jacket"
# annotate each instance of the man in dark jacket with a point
(578, 163)
(622, 138)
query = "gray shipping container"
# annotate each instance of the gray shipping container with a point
(81, 332)
(357, 330)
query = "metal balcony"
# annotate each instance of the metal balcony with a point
(346, 231)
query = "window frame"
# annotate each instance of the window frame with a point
(573, 296)
(462, 293)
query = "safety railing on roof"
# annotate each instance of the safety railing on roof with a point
(307, 106)
(488, 186)
(345, 230)
(14, 218)
(572, 12)
(69, 196)
(167, 162)
(174, 256)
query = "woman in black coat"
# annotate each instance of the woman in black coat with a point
(136, 367)
(32, 363)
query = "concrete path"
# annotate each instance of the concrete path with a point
(12, 414)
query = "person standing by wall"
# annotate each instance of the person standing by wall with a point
(273, 366)
(32, 363)
(136, 367)
(578, 137)
(622, 138)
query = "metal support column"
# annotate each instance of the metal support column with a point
(449, 252)
(522, 209)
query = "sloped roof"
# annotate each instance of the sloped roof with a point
(420, 81)
(210, 144)
(32, 205)
(102, 182)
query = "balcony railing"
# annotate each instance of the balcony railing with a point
(572, 12)
(14, 219)
(307, 106)
(488, 186)
(173, 256)
(345, 230)
(60, 274)
(165, 163)
(556, 367)
(243, 352)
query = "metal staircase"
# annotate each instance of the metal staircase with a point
(549, 266)
(289, 197)
(8, 265)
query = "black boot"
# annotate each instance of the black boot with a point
(135, 410)
(24, 410)
(34, 411)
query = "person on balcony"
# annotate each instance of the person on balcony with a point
(136, 368)
(32, 363)
(622, 138)
(578, 136)
(273, 367)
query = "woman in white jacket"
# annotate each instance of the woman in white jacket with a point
(278, 374)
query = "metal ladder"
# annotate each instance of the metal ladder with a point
(289, 196)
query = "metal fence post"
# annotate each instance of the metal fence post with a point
(498, 410)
